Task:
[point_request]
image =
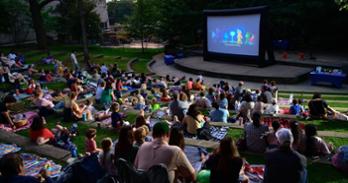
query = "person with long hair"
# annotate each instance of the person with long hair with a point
(225, 163)
(315, 146)
(193, 120)
(176, 138)
(124, 148)
(299, 137)
(38, 132)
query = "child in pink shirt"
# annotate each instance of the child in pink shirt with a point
(90, 144)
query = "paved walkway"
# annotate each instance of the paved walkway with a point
(162, 69)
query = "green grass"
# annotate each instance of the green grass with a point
(140, 66)
(121, 62)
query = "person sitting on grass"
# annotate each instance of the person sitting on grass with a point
(218, 114)
(140, 135)
(202, 102)
(76, 110)
(99, 91)
(12, 171)
(116, 117)
(272, 141)
(90, 143)
(106, 157)
(5, 117)
(38, 132)
(124, 148)
(193, 120)
(107, 95)
(165, 97)
(253, 134)
(284, 164)
(45, 106)
(172, 156)
(295, 108)
(225, 163)
(315, 146)
(318, 108)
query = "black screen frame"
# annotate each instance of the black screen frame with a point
(264, 40)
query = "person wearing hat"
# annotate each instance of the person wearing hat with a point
(284, 164)
(159, 152)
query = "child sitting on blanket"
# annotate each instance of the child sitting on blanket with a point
(116, 117)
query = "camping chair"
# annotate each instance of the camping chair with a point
(158, 174)
(128, 174)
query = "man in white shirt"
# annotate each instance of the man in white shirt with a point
(74, 60)
(104, 69)
(159, 152)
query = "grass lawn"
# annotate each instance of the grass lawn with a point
(140, 66)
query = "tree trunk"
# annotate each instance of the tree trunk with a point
(84, 34)
(40, 31)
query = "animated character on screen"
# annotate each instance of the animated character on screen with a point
(249, 38)
(239, 37)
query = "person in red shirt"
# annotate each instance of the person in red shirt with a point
(90, 143)
(39, 133)
(48, 76)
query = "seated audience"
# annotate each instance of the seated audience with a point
(318, 107)
(246, 108)
(295, 108)
(315, 146)
(106, 157)
(140, 135)
(299, 137)
(259, 106)
(202, 102)
(171, 156)
(254, 133)
(273, 108)
(124, 148)
(116, 117)
(225, 163)
(218, 114)
(193, 120)
(90, 143)
(284, 164)
(76, 110)
(99, 91)
(5, 117)
(272, 141)
(39, 134)
(12, 171)
(176, 107)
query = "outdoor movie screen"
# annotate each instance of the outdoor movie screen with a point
(234, 34)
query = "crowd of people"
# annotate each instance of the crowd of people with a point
(191, 106)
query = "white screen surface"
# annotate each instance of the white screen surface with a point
(234, 34)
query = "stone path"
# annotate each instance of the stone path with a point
(162, 69)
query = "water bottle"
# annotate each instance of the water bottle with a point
(84, 116)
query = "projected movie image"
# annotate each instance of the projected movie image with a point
(234, 34)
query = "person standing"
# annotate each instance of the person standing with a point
(74, 60)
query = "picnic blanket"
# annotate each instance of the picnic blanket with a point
(28, 115)
(32, 163)
(8, 148)
(254, 172)
(193, 155)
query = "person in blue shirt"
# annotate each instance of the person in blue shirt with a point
(218, 114)
(12, 171)
(295, 108)
(223, 103)
(116, 117)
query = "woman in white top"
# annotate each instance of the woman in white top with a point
(99, 91)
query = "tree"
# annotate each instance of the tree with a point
(40, 32)
(15, 19)
(79, 22)
(119, 11)
(84, 32)
(343, 4)
(143, 22)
